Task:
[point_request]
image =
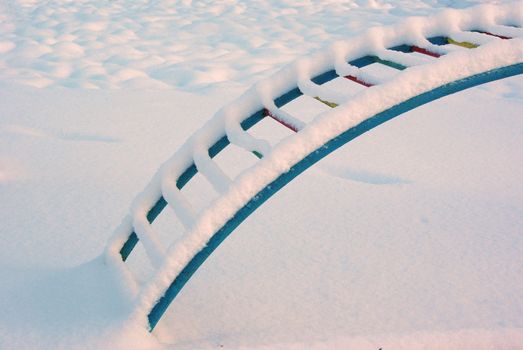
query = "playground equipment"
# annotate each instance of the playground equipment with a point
(424, 59)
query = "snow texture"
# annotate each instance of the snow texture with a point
(409, 238)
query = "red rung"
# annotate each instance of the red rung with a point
(282, 122)
(497, 36)
(425, 51)
(359, 81)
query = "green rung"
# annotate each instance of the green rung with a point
(330, 104)
(257, 154)
(390, 63)
(465, 44)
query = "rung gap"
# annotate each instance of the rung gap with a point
(287, 97)
(218, 146)
(401, 48)
(128, 246)
(325, 77)
(438, 40)
(186, 176)
(252, 120)
(156, 209)
(363, 61)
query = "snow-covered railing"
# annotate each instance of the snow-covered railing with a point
(433, 57)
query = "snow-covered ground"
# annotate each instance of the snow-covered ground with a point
(411, 236)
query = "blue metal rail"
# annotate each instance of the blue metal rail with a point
(161, 306)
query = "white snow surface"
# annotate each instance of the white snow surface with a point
(196, 45)
(409, 237)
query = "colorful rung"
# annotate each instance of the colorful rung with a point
(257, 154)
(357, 80)
(413, 48)
(268, 113)
(442, 40)
(425, 51)
(465, 44)
(328, 103)
(491, 34)
(368, 60)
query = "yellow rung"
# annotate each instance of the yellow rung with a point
(330, 104)
(462, 43)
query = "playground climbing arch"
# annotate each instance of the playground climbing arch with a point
(395, 69)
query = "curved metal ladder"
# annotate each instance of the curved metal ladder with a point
(399, 51)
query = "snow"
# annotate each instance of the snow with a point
(410, 237)
(328, 125)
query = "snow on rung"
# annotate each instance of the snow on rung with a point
(241, 138)
(284, 118)
(492, 34)
(306, 108)
(470, 39)
(153, 247)
(234, 160)
(343, 84)
(358, 75)
(177, 201)
(205, 165)
(403, 58)
(414, 52)
(114, 259)
(460, 40)
(358, 81)
(434, 46)
(377, 73)
(271, 130)
(424, 51)
(322, 93)
(506, 31)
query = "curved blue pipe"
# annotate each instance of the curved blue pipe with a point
(161, 306)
